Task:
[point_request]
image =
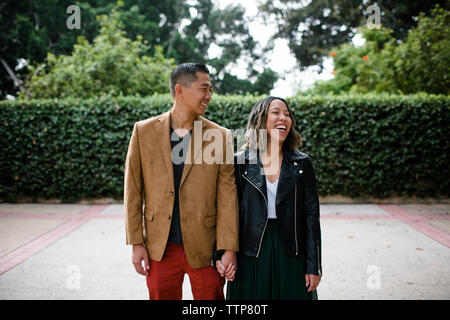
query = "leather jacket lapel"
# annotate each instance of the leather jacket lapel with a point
(291, 171)
(255, 173)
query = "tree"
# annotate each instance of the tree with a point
(422, 62)
(112, 64)
(185, 30)
(383, 64)
(31, 29)
(264, 82)
(262, 85)
(314, 27)
(226, 29)
(349, 61)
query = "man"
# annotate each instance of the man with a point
(179, 207)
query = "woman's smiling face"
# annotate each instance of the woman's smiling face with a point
(279, 121)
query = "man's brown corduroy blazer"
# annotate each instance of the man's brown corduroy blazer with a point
(207, 194)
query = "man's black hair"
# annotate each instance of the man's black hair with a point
(185, 74)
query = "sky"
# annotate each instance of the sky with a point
(281, 59)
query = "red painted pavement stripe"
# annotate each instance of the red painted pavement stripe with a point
(435, 217)
(417, 222)
(16, 256)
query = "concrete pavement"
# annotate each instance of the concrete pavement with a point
(78, 251)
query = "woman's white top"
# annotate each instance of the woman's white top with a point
(271, 197)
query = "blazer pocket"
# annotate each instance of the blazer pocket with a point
(210, 221)
(149, 214)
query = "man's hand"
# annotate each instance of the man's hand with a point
(139, 254)
(312, 281)
(227, 265)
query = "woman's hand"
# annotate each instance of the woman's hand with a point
(227, 265)
(312, 281)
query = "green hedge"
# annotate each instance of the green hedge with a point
(365, 145)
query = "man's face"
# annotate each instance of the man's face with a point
(196, 97)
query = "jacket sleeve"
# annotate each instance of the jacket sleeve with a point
(133, 191)
(313, 243)
(226, 197)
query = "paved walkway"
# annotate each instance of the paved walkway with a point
(78, 251)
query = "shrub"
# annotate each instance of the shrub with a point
(361, 145)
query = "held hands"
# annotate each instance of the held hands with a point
(227, 265)
(312, 281)
(140, 254)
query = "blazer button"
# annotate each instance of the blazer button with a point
(171, 193)
(168, 217)
(300, 171)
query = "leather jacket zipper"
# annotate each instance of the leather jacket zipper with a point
(295, 220)
(267, 210)
(319, 267)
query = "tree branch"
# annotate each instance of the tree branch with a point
(17, 82)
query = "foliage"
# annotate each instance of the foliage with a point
(313, 28)
(361, 145)
(350, 61)
(186, 30)
(111, 65)
(263, 84)
(420, 63)
(30, 29)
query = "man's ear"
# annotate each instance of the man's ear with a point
(178, 90)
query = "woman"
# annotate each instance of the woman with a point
(280, 244)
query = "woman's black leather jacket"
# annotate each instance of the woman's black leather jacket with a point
(297, 207)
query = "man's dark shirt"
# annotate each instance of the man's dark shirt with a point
(178, 154)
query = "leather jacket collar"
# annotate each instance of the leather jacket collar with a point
(291, 171)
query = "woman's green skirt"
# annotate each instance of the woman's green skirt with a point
(273, 275)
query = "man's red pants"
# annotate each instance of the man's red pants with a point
(165, 281)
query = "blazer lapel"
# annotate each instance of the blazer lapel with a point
(162, 129)
(195, 148)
